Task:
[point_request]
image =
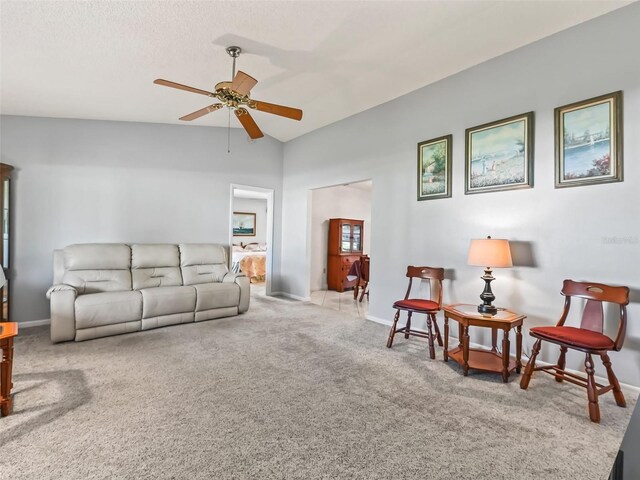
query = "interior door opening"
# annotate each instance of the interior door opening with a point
(251, 236)
(340, 232)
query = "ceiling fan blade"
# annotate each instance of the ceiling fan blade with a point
(289, 112)
(248, 123)
(243, 83)
(202, 112)
(179, 86)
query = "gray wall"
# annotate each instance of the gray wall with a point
(565, 230)
(94, 181)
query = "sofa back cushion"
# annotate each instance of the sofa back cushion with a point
(97, 267)
(202, 263)
(155, 266)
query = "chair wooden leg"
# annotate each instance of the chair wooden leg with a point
(438, 336)
(364, 291)
(592, 392)
(561, 363)
(432, 348)
(355, 291)
(408, 327)
(528, 371)
(613, 380)
(393, 329)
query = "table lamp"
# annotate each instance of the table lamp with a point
(489, 253)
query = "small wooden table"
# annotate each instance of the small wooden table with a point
(8, 331)
(480, 359)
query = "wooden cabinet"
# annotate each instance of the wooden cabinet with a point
(5, 204)
(345, 247)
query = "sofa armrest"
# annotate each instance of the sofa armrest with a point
(61, 287)
(243, 282)
(63, 319)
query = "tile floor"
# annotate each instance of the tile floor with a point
(258, 289)
(342, 302)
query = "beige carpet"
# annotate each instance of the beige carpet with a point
(287, 391)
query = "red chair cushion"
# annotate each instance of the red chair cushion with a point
(417, 304)
(577, 337)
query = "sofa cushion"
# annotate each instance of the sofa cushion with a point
(216, 295)
(154, 255)
(95, 267)
(155, 266)
(156, 277)
(95, 281)
(96, 309)
(201, 254)
(202, 263)
(97, 256)
(167, 301)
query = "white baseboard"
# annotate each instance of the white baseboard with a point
(383, 321)
(600, 380)
(34, 323)
(291, 296)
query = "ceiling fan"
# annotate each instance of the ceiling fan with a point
(235, 96)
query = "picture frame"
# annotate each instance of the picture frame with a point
(434, 168)
(499, 155)
(244, 224)
(588, 141)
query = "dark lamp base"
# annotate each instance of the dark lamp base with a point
(487, 309)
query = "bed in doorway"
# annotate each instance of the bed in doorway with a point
(251, 259)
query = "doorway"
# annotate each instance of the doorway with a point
(348, 201)
(251, 235)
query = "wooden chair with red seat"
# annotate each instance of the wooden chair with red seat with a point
(363, 278)
(427, 307)
(588, 338)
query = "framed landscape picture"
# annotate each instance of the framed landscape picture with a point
(499, 155)
(589, 141)
(244, 224)
(434, 168)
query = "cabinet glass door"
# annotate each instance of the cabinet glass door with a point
(345, 237)
(357, 239)
(5, 223)
(4, 291)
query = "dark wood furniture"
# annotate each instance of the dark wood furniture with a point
(480, 359)
(627, 463)
(363, 278)
(5, 207)
(588, 338)
(7, 333)
(427, 307)
(345, 247)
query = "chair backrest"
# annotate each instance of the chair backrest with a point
(364, 267)
(432, 274)
(593, 314)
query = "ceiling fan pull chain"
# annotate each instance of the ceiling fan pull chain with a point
(229, 129)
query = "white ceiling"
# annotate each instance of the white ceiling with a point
(97, 59)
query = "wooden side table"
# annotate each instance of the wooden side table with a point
(480, 359)
(8, 331)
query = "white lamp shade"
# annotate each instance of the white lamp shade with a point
(3, 280)
(490, 252)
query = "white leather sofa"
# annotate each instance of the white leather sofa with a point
(108, 289)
